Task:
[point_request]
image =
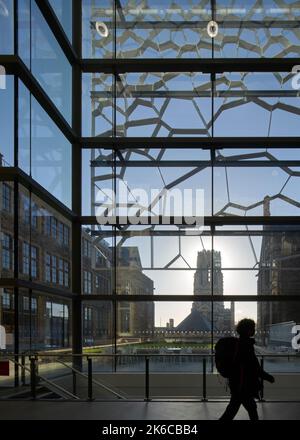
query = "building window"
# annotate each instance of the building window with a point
(54, 269)
(34, 216)
(97, 283)
(6, 301)
(26, 210)
(33, 305)
(60, 232)
(47, 224)
(54, 227)
(7, 251)
(87, 282)
(26, 304)
(125, 321)
(87, 317)
(66, 274)
(87, 252)
(6, 198)
(48, 268)
(34, 262)
(26, 264)
(66, 236)
(61, 272)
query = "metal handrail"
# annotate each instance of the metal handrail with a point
(145, 356)
(93, 380)
(41, 355)
(43, 379)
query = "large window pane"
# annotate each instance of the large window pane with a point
(93, 44)
(24, 31)
(7, 27)
(7, 317)
(97, 261)
(260, 104)
(45, 241)
(273, 191)
(63, 10)
(44, 151)
(252, 30)
(97, 319)
(7, 229)
(49, 64)
(7, 123)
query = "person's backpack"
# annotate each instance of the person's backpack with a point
(225, 354)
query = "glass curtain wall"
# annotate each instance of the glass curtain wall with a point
(221, 273)
(148, 281)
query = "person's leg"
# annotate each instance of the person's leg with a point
(250, 405)
(232, 408)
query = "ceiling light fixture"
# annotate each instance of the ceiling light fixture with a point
(102, 29)
(212, 29)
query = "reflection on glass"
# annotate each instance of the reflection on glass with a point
(49, 64)
(51, 155)
(7, 317)
(97, 326)
(44, 322)
(63, 10)
(24, 31)
(7, 123)
(45, 243)
(7, 229)
(97, 263)
(7, 27)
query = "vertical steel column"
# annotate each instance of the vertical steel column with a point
(262, 382)
(147, 382)
(114, 176)
(16, 199)
(213, 17)
(212, 156)
(76, 187)
(90, 379)
(33, 380)
(204, 393)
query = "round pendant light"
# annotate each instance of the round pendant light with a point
(212, 29)
(102, 29)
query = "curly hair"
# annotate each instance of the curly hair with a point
(245, 326)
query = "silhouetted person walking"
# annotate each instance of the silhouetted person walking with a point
(245, 380)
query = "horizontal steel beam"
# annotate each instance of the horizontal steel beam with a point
(208, 221)
(130, 143)
(192, 298)
(10, 283)
(131, 92)
(202, 24)
(16, 174)
(195, 163)
(216, 65)
(15, 66)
